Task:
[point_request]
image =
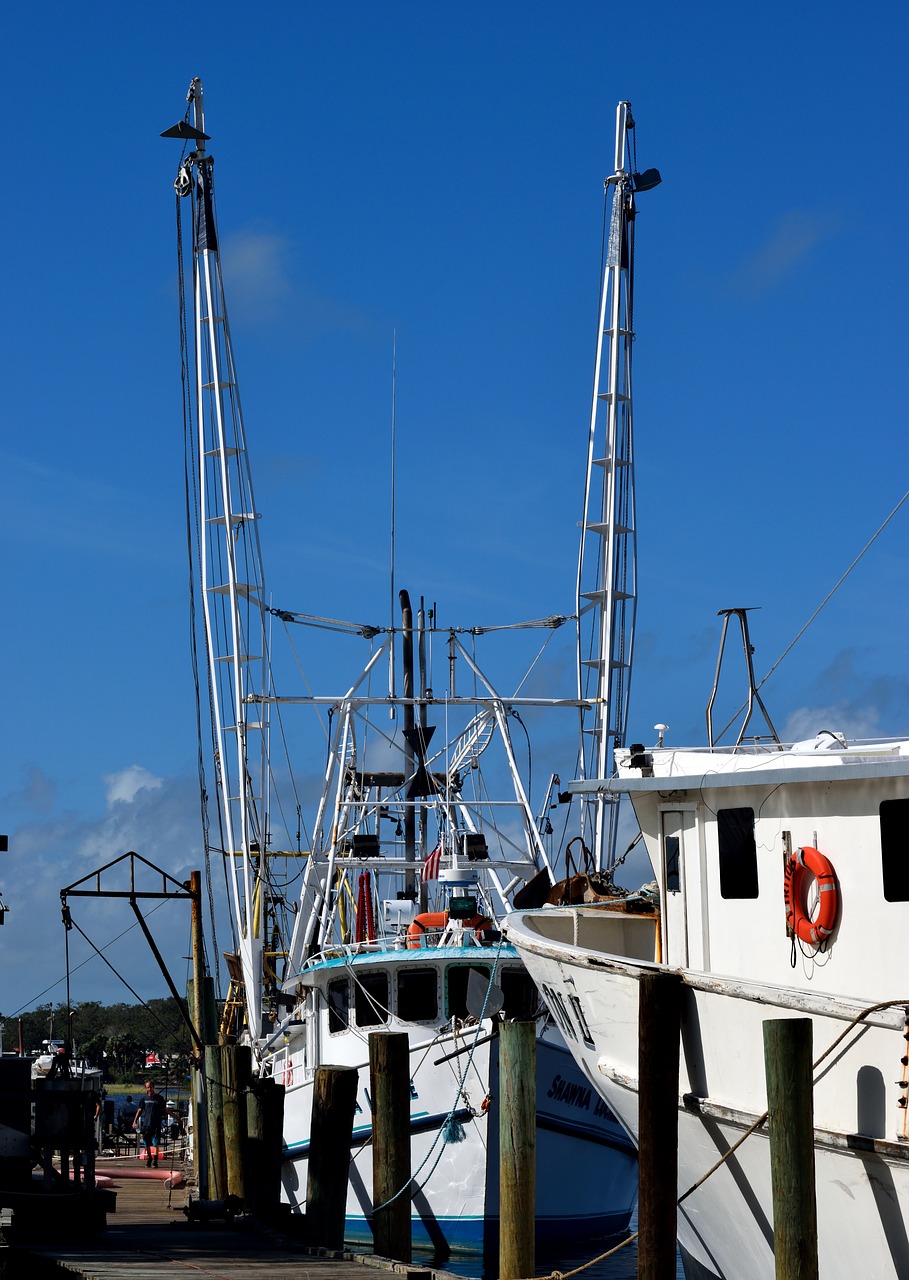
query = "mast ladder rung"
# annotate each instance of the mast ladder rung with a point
(601, 528)
(242, 589)
(601, 595)
(236, 517)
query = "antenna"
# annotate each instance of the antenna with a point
(391, 597)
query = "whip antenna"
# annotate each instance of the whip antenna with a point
(391, 596)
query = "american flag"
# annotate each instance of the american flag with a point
(431, 864)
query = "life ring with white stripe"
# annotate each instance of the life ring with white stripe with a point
(813, 931)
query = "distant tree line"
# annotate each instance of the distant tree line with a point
(117, 1037)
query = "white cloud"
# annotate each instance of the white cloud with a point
(123, 787)
(156, 817)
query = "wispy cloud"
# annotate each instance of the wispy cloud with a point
(156, 817)
(796, 234)
(849, 701)
(261, 287)
(255, 267)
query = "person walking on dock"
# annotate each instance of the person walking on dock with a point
(149, 1119)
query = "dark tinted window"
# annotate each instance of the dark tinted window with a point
(370, 999)
(521, 999)
(458, 977)
(673, 882)
(738, 853)
(338, 1005)
(418, 995)
(895, 849)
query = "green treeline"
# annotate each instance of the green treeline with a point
(115, 1036)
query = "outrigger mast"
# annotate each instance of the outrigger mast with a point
(230, 570)
(606, 581)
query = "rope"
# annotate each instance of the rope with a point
(70, 923)
(564, 1275)
(860, 1017)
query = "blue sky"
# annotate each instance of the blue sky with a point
(436, 170)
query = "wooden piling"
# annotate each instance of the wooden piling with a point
(389, 1086)
(214, 1123)
(517, 1148)
(334, 1103)
(236, 1073)
(659, 1025)
(790, 1106)
(264, 1137)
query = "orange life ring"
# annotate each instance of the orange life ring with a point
(425, 920)
(438, 920)
(816, 931)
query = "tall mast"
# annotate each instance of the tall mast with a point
(230, 567)
(606, 581)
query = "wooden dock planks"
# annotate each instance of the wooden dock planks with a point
(150, 1238)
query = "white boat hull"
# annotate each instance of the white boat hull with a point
(725, 1226)
(455, 1192)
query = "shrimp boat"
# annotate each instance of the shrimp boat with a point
(385, 915)
(780, 891)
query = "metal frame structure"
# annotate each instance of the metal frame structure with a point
(606, 578)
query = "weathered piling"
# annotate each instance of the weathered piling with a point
(334, 1103)
(659, 1024)
(517, 1148)
(214, 1123)
(236, 1073)
(790, 1106)
(264, 1137)
(389, 1086)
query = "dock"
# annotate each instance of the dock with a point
(150, 1237)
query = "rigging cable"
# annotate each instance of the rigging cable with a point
(874, 537)
(70, 923)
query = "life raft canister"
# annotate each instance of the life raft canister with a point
(438, 920)
(815, 931)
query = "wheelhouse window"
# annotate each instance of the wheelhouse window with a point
(520, 996)
(370, 999)
(738, 853)
(338, 1005)
(465, 984)
(418, 995)
(895, 849)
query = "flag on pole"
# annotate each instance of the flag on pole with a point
(431, 864)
